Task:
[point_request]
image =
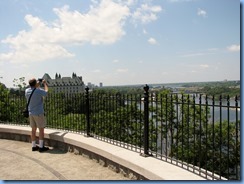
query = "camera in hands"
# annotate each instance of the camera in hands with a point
(40, 80)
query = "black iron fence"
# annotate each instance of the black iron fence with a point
(195, 132)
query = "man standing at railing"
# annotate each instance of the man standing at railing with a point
(36, 112)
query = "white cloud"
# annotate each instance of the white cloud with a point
(115, 61)
(122, 70)
(213, 49)
(204, 66)
(234, 48)
(180, 1)
(152, 41)
(201, 12)
(146, 13)
(194, 54)
(94, 1)
(165, 73)
(33, 52)
(202, 52)
(96, 71)
(103, 24)
(144, 31)
(128, 2)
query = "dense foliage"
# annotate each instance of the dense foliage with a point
(222, 90)
(225, 88)
(11, 106)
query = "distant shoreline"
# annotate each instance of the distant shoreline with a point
(178, 84)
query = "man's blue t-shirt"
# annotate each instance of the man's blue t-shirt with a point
(36, 101)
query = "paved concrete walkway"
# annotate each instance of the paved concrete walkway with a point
(60, 164)
(18, 162)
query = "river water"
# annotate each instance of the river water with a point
(218, 112)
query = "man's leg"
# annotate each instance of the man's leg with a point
(41, 126)
(33, 139)
(41, 137)
(33, 133)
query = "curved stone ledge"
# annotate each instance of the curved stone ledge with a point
(120, 160)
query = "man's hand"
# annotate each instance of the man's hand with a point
(45, 85)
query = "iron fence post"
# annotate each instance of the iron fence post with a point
(146, 121)
(87, 112)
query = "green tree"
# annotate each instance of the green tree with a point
(191, 131)
(11, 107)
(61, 108)
(4, 102)
(20, 84)
(223, 148)
(122, 124)
(164, 117)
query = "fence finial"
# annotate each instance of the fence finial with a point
(146, 88)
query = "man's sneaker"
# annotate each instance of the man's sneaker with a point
(43, 149)
(35, 148)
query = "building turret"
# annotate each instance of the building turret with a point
(46, 77)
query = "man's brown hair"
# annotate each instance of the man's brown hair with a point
(32, 82)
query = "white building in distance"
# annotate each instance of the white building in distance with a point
(66, 85)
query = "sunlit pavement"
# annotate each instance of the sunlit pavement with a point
(19, 162)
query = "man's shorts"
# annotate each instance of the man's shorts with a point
(38, 121)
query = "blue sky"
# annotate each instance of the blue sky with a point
(120, 42)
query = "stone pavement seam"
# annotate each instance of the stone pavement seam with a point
(51, 170)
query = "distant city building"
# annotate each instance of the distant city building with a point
(65, 85)
(90, 85)
(101, 85)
